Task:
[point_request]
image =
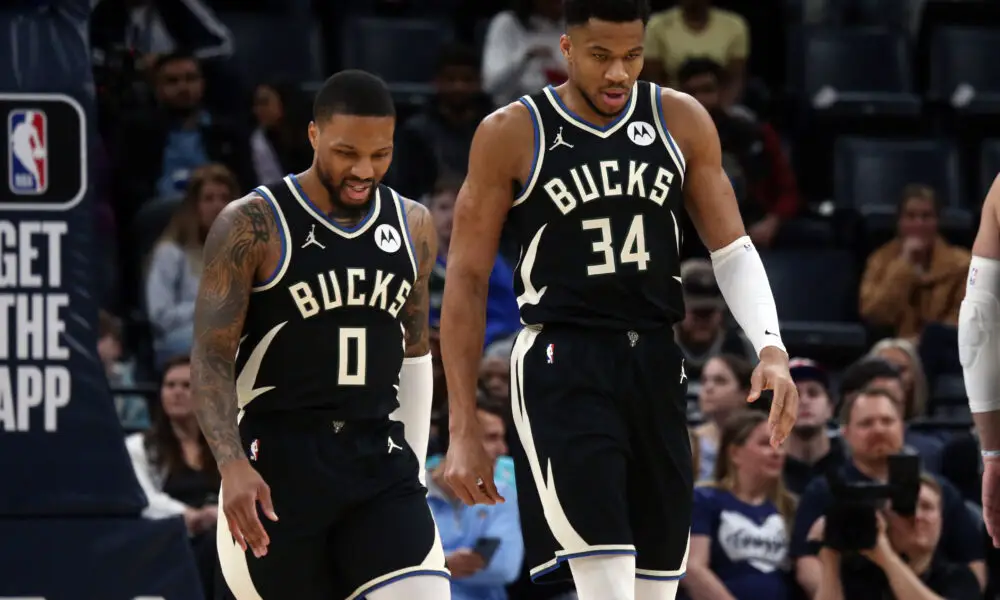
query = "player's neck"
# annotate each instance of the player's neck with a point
(808, 446)
(575, 101)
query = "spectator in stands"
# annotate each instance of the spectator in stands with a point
(521, 52)
(467, 532)
(741, 520)
(131, 408)
(703, 333)
(725, 383)
(279, 144)
(697, 29)
(753, 156)
(879, 372)
(502, 317)
(158, 149)
(811, 450)
(437, 140)
(872, 428)
(903, 354)
(176, 262)
(918, 277)
(903, 563)
(494, 370)
(175, 468)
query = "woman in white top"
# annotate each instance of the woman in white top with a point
(521, 52)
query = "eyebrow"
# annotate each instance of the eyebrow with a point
(343, 146)
(599, 48)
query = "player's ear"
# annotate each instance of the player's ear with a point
(313, 134)
(565, 45)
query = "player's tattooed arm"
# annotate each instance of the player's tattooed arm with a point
(416, 311)
(237, 245)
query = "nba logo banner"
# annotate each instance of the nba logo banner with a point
(44, 152)
(28, 164)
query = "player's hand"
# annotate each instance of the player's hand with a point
(464, 562)
(242, 488)
(469, 470)
(772, 374)
(991, 498)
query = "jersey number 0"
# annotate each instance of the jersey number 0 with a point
(633, 250)
(352, 338)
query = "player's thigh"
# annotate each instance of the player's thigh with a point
(389, 538)
(294, 567)
(572, 463)
(660, 470)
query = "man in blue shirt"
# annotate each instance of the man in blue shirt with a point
(482, 544)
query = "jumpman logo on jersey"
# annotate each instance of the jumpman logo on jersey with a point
(393, 446)
(311, 238)
(559, 141)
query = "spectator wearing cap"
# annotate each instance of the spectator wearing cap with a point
(874, 371)
(703, 333)
(810, 450)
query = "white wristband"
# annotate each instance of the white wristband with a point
(743, 282)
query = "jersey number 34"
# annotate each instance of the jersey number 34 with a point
(632, 251)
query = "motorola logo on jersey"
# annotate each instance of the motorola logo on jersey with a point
(351, 287)
(641, 133)
(614, 181)
(387, 238)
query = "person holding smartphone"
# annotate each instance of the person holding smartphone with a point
(482, 544)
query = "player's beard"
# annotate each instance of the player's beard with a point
(594, 108)
(341, 209)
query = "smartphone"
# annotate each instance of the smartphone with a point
(486, 547)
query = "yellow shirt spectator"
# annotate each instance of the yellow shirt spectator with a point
(671, 40)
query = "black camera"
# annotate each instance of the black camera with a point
(851, 523)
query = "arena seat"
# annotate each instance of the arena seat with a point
(963, 60)
(816, 294)
(989, 166)
(269, 47)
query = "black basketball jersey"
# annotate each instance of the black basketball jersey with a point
(324, 330)
(598, 219)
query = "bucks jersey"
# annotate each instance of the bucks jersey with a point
(597, 220)
(324, 330)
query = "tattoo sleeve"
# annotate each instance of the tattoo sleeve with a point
(415, 312)
(236, 245)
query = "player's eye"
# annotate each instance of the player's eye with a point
(600, 57)
(633, 56)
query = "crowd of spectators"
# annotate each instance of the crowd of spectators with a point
(859, 143)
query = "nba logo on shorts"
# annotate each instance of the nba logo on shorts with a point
(550, 353)
(27, 149)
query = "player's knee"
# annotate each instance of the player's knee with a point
(650, 589)
(607, 577)
(418, 587)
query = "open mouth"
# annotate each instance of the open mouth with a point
(358, 191)
(615, 98)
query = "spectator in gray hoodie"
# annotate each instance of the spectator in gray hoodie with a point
(175, 264)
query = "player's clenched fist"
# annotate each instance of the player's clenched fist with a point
(242, 489)
(469, 470)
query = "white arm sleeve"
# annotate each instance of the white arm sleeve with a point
(416, 393)
(743, 282)
(978, 337)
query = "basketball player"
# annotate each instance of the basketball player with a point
(591, 177)
(312, 308)
(979, 351)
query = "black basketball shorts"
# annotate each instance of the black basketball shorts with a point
(605, 464)
(352, 514)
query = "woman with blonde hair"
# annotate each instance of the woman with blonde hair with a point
(903, 353)
(175, 263)
(741, 523)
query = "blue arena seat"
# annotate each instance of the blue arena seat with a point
(844, 60)
(816, 292)
(870, 174)
(966, 57)
(274, 47)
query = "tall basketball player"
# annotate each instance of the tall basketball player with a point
(312, 313)
(979, 351)
(592, 176)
